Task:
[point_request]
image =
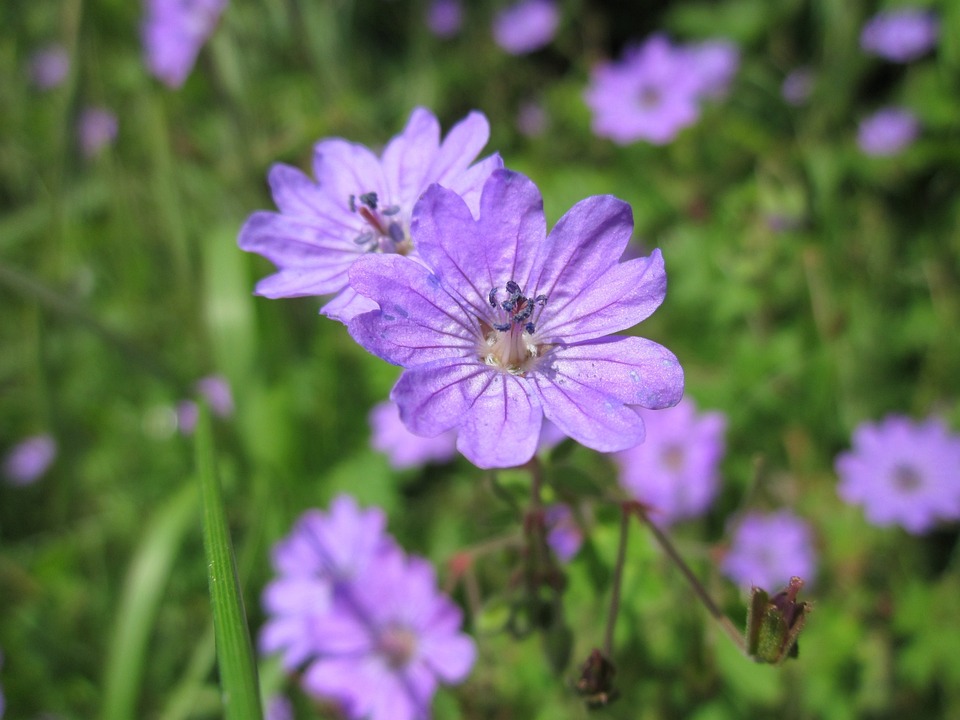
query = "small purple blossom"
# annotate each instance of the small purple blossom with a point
(903, 472)
(767, 550)
(49, 67)
(279, 707)
(656, 89)
(360, 205)
(532, 119)
(900, 35)
(887, 132)
(675, 470)
(526, 26)
(504, 325)
(215, 390)
(564, 535)
(402, 447)
(445, 18)
(96, 129)
(173, 32)
(797, 86)
(29, 459)
(377, 639)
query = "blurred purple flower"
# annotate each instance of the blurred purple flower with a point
(532, 119)
(402, 447)
(887, 132)
(215, 389)
(526, 26)
(903, 472)
(675, 470)
(173, 32)
(564, 535)
(279, 708)
(27, 461)
(767, 550)
(797, 86)
(49, 66)
(96, 129)
(445, 17)
(377, 639)
(655, 90)
(360, 205)
(508, 324)
(900, 35)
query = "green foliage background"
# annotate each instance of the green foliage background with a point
(121, 284)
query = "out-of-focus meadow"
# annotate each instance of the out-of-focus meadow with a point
(812, 287)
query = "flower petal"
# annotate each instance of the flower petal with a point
(619, 299)
(469, 183)
(347, 305)
(460, 147)
(343, 169)
(408, 157)
(436, 396)
(417, 321)
(296, 194)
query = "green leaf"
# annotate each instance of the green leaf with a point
(239, 686)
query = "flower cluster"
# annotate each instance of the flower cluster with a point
(364, 620)
(903, 472)
(887, 131)
(173, 32)
(359, 205)
(901, 35)
(767, 550)
(656, 89)
(526, 26)
(674, 471)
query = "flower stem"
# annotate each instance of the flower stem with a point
(617, 580)
(695, 584)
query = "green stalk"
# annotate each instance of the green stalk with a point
(239, 686)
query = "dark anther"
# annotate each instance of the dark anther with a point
(508, 305)
(502, 327)
(396, 232)
(513, 288)
(530, 328)
(525, 313)
(540, 300)
(370, 200)
(363, 238)
(353, 203)
(492, 297)
(391, 210)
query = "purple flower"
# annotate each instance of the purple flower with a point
(887, 131)
(656, 89)
(532, 119)
(49, 66)
(215, 390)
(279, 708)
(173, 32)
(526, 26)
(27, 461)
(445, 17)
(402, 447)
(675, 470)
(903, 472)
(564, 535)
(324, 554)
(767, 550)
(900, 35)
(377, 640)
(797, 86)
(360, 205)
(504, 325)
(96, 129)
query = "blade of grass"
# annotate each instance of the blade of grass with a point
(143, 590)
(239, 686)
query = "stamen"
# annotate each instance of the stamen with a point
(353, 203)
(492, 297)
(391, 210)
(395, 232)
(363, 238)
(502, 327)
(370, 200)
(530, 328)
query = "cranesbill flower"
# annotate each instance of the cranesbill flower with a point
(445, 17)
(49, 66)
(366, 622)
(797, 86)
(767, 550)
(900, 35)
(526, 26)
(504, 325)
(96, 129)
(360, 204)
(173, 32)
(390, 642)
(402, 447)
(28, 460)
(323, 555)
(675, 470)
(655, 90)
(903, 472)
(564, 535)
(887, 132)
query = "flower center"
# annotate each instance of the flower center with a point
(397, 644)
(381, 232)
(673, 457)
(649, 98)
(906, 478)
(509, 337)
